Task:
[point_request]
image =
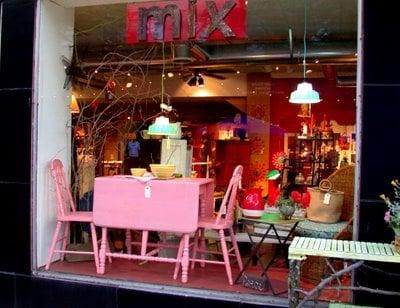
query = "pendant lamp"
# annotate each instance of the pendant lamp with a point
(304, 94)
(161, 125)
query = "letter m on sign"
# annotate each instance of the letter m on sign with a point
(147, 23)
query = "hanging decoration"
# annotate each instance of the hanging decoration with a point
(278, 160)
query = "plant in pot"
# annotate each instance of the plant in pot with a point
(286, 205)
(392, 215)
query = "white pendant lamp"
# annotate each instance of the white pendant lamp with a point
(304, 94)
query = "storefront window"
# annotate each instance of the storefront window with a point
(221, 75)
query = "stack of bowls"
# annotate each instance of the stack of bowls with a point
(162, 170)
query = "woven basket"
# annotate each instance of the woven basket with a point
(343, 180)
(322, 209)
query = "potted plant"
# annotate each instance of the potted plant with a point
(286, 205)
(392, 215)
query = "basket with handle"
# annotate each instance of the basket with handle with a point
(326, 203)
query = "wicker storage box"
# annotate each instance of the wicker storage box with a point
(323, 207)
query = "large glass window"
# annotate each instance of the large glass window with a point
(101, 85)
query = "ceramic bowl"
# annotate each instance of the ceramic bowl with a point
(138, 171)
(252, 213)
(162, 170)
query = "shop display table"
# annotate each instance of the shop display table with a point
(168, 205)
(258, 230)
(301, 247)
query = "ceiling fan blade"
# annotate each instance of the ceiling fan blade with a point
(212, 75)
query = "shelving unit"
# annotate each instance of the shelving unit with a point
(314, 157)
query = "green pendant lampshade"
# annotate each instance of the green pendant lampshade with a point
(273, 174)
(304, 94)
(162, 127)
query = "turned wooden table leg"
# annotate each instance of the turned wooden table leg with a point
(293, 282)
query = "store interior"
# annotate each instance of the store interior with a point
(230, 104)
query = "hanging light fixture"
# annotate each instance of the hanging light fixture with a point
(304, 94)
(74, 106)
(161, 125)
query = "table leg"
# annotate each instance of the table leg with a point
(185, 258)
(254, 252)
(102, 253)
(293, 282)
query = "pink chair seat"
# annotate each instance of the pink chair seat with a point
(80, 216)
(209, 223)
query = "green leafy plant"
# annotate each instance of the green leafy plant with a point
(392, 215)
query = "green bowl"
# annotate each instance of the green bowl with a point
(271, 216)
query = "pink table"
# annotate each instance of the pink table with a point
(173, 205)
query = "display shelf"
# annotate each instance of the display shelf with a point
(312, 157)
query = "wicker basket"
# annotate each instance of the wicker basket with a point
(322, 209)
(343, 180)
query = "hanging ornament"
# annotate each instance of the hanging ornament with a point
(278, 160)
(94, 104)
(111, 84)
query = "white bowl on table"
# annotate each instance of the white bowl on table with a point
(252, 213)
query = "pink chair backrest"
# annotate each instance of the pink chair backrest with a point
(229, 200)
(65, 203)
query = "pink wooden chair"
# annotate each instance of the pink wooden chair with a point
(221, 224)
(66, 213)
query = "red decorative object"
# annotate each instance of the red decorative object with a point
(94, 104)
(303, 198)
(182, 20)
(344, 142)
(252, 199)
(111, 84)
(278, 160)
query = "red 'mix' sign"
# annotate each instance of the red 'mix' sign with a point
(186, 20)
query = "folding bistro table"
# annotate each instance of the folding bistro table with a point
(281, 231)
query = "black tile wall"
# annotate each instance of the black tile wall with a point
(127, 297)
(17, 43)
(15, 227)
(380, 146)
(33, 292)
(380, 43)
(7, 288)
(15, 141)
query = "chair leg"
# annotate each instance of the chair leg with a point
(203, 246)
(128, 241)
(226, 256)
(102, 253)
(145, 238)
(179, 258)
(236, 249)
(53, 244)
(108, 250)
(95, 248)
(195, 247)
(65, 239)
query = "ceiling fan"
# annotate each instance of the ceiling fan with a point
(191, 75)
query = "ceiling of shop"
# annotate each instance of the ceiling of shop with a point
(331, 38)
